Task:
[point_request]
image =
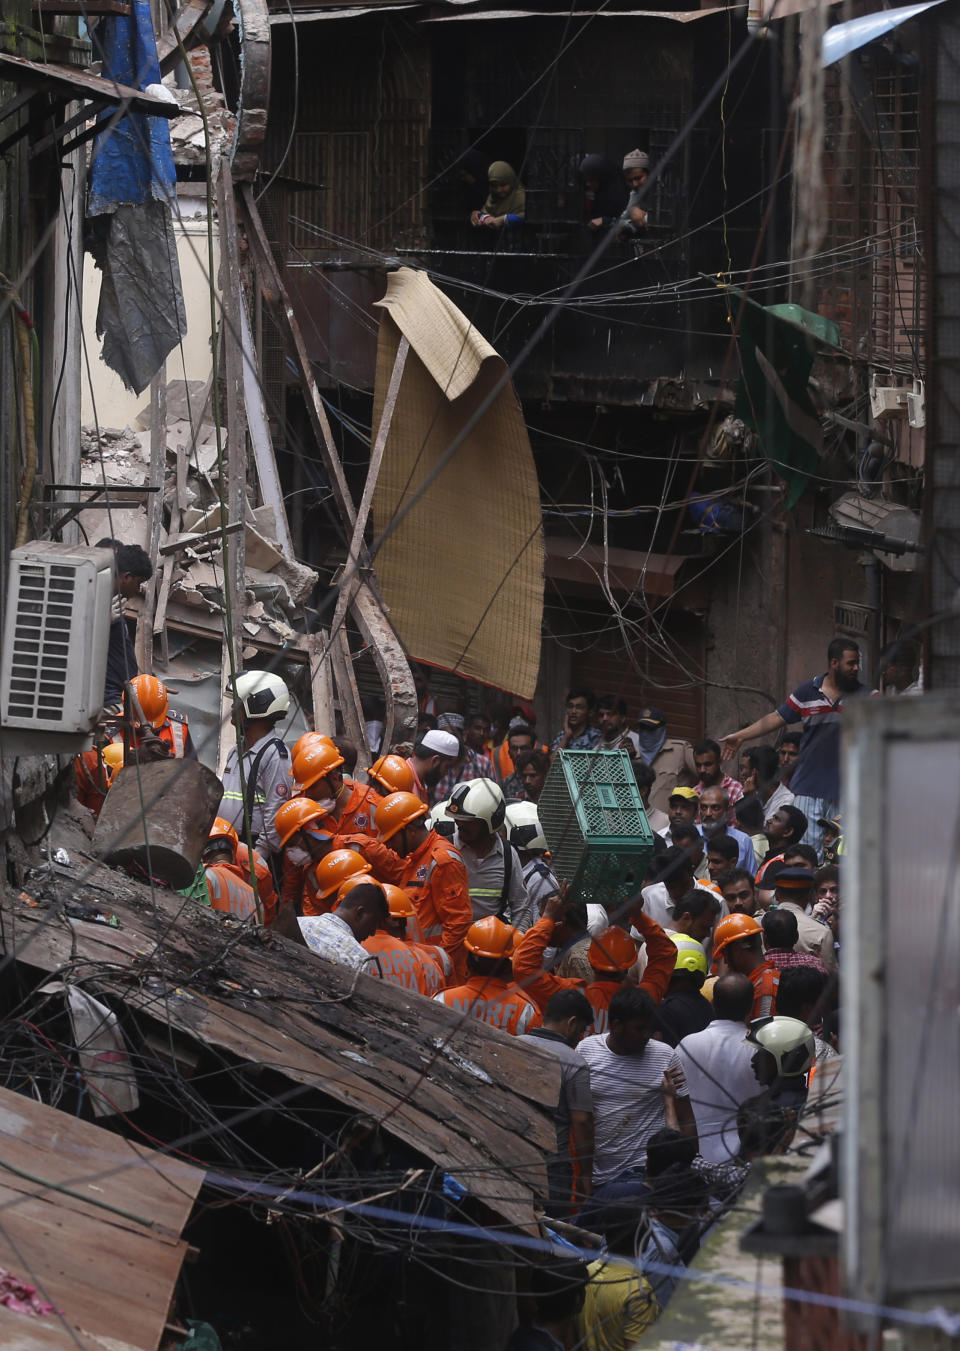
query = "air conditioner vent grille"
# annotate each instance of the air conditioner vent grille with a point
(55, 638)
(38, 665)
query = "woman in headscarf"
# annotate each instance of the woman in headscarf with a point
(605, 194)
(506, 203)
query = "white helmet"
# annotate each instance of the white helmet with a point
(441, 821)
(524, 830)
(478, 800)
(788, 1040)
(261, 694)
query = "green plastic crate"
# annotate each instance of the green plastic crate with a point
(595, 824)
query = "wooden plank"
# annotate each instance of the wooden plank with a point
(348, 695)
(158, 463)
(163, 598)
(375, 627)
(108, 1282)
(226, 736)
(349, 579)
(393, 668)
(273, 285)
(77, 84)
(78, 1254)
(268, 477)
(232, 299)
(76, 1153)
(321, 681)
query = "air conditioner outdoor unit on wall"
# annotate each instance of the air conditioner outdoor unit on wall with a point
(54, 657)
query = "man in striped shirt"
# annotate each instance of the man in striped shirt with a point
(637, 1086)
(818, 705)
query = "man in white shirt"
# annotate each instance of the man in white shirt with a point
(717, 1066)
(763, 778)
(339, 936)
(636, 1084)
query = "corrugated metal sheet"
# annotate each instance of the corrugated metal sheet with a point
(111, 1278)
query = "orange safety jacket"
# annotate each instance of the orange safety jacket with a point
(175, 732)
(91, 780)
(766, 982)
(229, 892)
(495, 1002)
(357, 815)
(436, 956)
(599, 993)
(541, 985)
(401, 964)
(435, 878)
(265, 887)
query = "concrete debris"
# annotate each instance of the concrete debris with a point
(187, 137)
(276, 588)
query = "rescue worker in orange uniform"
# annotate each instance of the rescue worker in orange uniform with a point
(348, 807)
(261, 869)
(391, 774)
(490, 993)
(738, 948)
(611, 955)
(95, 771)
(316, 773)
(228, 890)
(170, 727)
(557, 928)
(398, 961)
(408, 928)
(303, 841)
(427, 867)
(302, 824)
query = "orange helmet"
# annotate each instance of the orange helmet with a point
(331, 872)
(314, 762)
(397, 811)
(222, 827)
(305, 740)
(401, 906)
(392, 774)
(490, 937)
(355, 881)
(731, 928)
(152, 696)
(112, 757)
(294, 815)
(613, 950)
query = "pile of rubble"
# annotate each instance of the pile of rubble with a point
(277, 587)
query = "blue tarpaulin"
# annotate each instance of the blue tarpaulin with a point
(132, 185)
(132, 161)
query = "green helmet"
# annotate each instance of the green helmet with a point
(690, 954)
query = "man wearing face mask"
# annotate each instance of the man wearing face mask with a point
(317, 773)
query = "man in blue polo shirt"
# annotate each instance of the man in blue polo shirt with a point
(818, 705)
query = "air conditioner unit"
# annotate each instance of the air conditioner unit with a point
(54, 657)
